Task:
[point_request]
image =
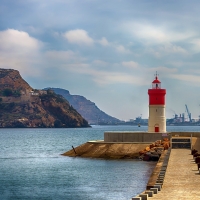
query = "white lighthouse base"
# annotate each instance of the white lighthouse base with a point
(157, 120)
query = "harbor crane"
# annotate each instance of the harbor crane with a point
(188, 112)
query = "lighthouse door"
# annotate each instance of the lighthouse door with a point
(156, 128)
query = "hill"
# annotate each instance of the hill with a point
(23, 106)
(86, 108)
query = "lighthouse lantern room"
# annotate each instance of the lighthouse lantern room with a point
(157, 119)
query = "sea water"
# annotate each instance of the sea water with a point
(31, 166)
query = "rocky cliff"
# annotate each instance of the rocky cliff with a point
(86, 108)
(12, 79)
(22, 106)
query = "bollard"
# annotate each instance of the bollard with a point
(197, 159)
(196, 154)
(159, 181)
(149, 193)
(157, 186)
(162, 173)
(198, 165)
(155, 190)
(163, 168)
(193, 151)
(136, 198)
(143, 196)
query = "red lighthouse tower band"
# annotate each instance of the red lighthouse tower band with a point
(157, 119)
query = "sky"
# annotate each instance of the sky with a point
(107, 51)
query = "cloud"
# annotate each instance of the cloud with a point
(104, 42)
(100, 63)
(130, 64)
(157, 34)
(79, 37)
(186, 78)
(60, 56)
(195, 44)
(122, 49)
(163, 70)
(18, 50)
(104, 77)
(12, 40)
(167, 49)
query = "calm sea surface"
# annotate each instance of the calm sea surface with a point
(31, 166)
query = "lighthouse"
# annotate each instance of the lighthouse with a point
(157, 119)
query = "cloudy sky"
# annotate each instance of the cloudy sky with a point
(107, 51)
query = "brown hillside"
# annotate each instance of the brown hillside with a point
(23, 106)
(10, 78)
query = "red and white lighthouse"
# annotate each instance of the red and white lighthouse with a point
(157, 119)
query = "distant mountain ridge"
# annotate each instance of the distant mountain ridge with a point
(86, 108)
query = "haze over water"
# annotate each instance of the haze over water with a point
(32, 167)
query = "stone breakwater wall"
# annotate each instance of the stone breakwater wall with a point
(123, 150)
(101, 149)
(156, 179)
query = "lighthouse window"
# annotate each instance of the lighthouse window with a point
(156, 110)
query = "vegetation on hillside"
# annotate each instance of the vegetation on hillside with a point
(34, 108)
(9, 92)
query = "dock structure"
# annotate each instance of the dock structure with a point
(182, 178)
(177, 176)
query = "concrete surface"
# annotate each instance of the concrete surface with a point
(130, 136)
(182, 179)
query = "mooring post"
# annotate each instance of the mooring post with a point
(74, 150)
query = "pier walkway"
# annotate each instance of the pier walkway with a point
(182, 178)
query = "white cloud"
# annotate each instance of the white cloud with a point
(104, 42)
(131, 64)
(12, 40)
(60, 56)
(195, 44)
(173, 49)
(122, 49)
(163, 70)
(167, 49)
(103, 77)
(100, 63)
(184, 77)
(18, 50)
(79, 37)
(157, 34)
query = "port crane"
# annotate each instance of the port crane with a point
(188, 112)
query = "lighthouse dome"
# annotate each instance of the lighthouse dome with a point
(156, 80)
(156, 84)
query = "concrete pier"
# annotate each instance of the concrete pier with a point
(182, 178)
(132, 136)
